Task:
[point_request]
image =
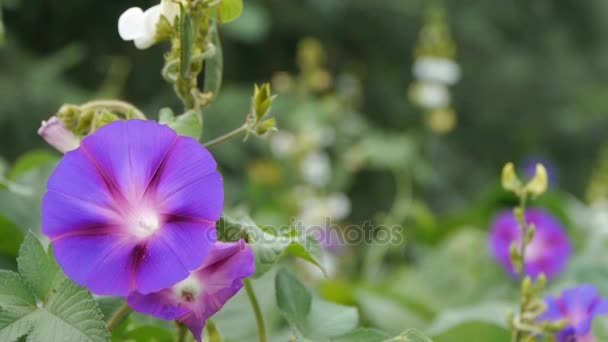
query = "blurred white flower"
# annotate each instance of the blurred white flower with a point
(437, 70)
(282, 143)
(57, 135)
(316, 169)
(431, 95)
(140, 27)
(338, 206)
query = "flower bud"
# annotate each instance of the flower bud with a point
(538, 185)
(57, 135)
(509, 179)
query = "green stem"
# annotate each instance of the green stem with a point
(517, 333)
(227, 136)
(256, 310)
(118, 317)
(182, 332)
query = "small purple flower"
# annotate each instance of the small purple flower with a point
(133, 208)
(57, 135)
(548, 252)
(578, 305)
(204, 292)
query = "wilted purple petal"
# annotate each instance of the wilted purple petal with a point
(204, 292)
(107, 208)
(548, 252)
(579, 306)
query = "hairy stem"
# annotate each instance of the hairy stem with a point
(117, 105)
(118, 317)
(256, 310)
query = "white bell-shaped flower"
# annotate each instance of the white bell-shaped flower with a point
(140, 26)
(431, 95)
(436, 70)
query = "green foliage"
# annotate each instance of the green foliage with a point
(42, 304)
(230, 10)
(268, 245)
(188, 124)
(214, 66)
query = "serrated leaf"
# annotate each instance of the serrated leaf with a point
(37, 268)
(188, 124)
(214, 66)
(313, 318)
(71, 314)
(230, 10)
(68, 314)
(268, 245)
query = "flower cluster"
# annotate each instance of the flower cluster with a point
(547, 253)
(131, 212)
(435, 71)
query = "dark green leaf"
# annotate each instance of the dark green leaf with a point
(293, 299)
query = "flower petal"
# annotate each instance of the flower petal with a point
(161, 304)
(131, 24)
(67, 215)
(172, 253)
(189, 183)
(76, 176)
(99, 262)
(128, 153)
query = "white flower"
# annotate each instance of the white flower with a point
(282, 143)
(338, 206)
(316, 169)
(431, 95)
(139, 26)
(57, 135)
(437, 70)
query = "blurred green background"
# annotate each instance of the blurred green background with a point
(534, 86)
(534, 72)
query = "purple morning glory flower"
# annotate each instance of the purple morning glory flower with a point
(204, 292)
(579, 306)
(548, 252)
(133, 208)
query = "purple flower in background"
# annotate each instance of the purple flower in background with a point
(133, 208)
(548, 252)
(204, 292)
(579, 306)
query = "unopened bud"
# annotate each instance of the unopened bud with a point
(530, 233)
(57, 135)
(509, 179)
(538, 185)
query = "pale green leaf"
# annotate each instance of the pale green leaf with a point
(214, 66)
(230, 10)
(188, 124)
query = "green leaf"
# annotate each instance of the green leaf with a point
(230, 10)
(38, 269)
(293, 299)
(11, 238)
(186, 40)
(31, 161)
(363, 335)
(188, 124)
(148, 334)
(268, 245)
(492, 313)
(312, 317)
(214, 66)
(410, 335)
(65, 312)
